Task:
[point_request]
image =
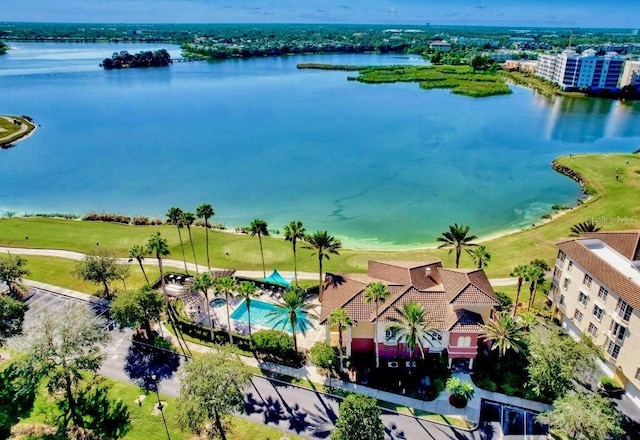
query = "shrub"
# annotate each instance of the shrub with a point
(324, 355)
(485, 383)
(609, 384)
(273, 343)
(157, 222)
(107, 217)
(460, 388)
(141, 221)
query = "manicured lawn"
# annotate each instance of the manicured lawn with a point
(145, 425)
(456, 421)
(617, 203)
(59, 272)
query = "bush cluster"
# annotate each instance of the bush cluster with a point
(107, 217)
(52, 215)
(210, 225)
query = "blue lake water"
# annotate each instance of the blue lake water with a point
(378, 166)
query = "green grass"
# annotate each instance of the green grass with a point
(59, 272)
(145, 425)
(615, 201)
(9, 130)
(457, 421)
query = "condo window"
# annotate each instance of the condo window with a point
(561, 302)
(570, 266)
(587, 280)
(593, 330)
(617, 330)
(577, 316)
(637, 376)
(598, 312)
(565, 284)
(613, 349)
(582, 299)
(603, 293)
(561, 255)
(623, 309)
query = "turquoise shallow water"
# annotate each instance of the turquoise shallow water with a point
(378, 166)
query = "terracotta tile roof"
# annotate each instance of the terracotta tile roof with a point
(467, 286)
(602, 271)
(339, 291)
(463, 321)
(625, 242)
(409, 273)
(434, 303)
(471, 295)
(407, 281)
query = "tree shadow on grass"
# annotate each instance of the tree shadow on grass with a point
(145, 361)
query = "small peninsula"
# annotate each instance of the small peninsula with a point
(13, 129)
(124, 60)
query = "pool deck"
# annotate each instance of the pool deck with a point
(195, 307)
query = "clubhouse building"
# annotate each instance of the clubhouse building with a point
(457, 301)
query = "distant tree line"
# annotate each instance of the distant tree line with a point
(3, 48)
(123, 59)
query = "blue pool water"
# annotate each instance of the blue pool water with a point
(260, 316)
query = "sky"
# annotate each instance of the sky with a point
(546, 13)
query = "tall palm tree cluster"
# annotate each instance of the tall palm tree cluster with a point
(533, 274)
(457, 238)
(323, 244)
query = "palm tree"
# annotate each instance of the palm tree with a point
(480, 255)
(579, 229)
(527, 320)
(377, 293)
(535, 277)
(226, 285)
(138, 252)
(341, 320)
(456, 238)
(174, 217)
(188, 218)
(293, 232)
(259, 227)
(294, 311)
(519, 272)
(413, 328)
(247, 290)
(159, 247)
(205, 211)
(505, 333)
(324, 245)
(202, 284)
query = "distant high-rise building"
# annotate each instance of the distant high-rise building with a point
(630, 74)
(573, 70)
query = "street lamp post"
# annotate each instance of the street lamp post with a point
(155, 382)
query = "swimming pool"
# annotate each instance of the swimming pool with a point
(217, 302)
(260, 316)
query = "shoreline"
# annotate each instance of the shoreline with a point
(28, 132)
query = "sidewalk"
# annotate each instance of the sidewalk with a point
(440, 405)
(178, 264)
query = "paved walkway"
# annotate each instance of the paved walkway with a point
(255, 274)
(439, 406)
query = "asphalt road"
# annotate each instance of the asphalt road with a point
(282, 406)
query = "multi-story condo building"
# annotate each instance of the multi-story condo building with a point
(630, 74)
(572, 70)
(596, 290)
